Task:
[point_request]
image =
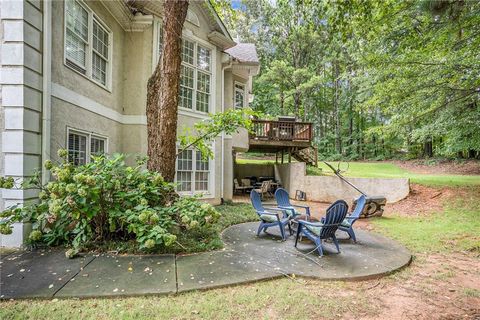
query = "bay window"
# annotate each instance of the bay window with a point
(239, 96)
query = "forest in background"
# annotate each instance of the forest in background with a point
(378, 79)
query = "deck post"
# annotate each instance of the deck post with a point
(290, 155)
(282, 155)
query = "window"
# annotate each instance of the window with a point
(87, 43)
(77, 148)
(81, 146)
(196, 76)
(239, 96)
(193, 172)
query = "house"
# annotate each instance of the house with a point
(74, 75)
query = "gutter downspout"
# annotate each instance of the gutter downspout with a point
(229, 65)
(47, 86)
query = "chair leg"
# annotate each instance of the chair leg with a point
(351, 233)
(290, 228)
(299, 229)
(260, 227)
(335, 241)
(282, 231)
(319, 247)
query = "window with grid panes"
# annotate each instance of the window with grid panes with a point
(196, 76)
(77, 148)
(87, 43)
(97, 146)
(193, 172)
(201, 173)
(239, 96)
(184, 170)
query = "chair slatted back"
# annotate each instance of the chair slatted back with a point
(235, 182)
(256, 202)
(335, 215)
(265, 186)
(361, 202)
(281, 196)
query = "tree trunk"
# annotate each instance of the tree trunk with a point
(336, 108)
(162, 93)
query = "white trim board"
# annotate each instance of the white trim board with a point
(67, 95)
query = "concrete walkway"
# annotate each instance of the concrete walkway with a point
(246, 258)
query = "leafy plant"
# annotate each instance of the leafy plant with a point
(106, 200)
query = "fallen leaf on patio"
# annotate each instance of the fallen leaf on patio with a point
(50, 286)
(115, 290)
(130, 269)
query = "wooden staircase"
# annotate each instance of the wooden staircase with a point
(308, 155)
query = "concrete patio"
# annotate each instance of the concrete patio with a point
(246, 258)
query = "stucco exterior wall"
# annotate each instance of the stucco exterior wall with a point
(66, 115)
(330, 188)
(70, 79)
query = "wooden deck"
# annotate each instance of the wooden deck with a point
(275, 136)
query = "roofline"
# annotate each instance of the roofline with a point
(219, 20)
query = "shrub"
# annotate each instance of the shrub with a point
(106, 200)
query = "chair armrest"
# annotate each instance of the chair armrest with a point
(274, 209)
(307, 208)
(351, 218)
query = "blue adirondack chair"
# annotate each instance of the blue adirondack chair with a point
(269, 219)
(318, 231)
(347, 223)
(283, 202)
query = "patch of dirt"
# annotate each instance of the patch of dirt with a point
(423, 200)
(435, 286)
(467, 167)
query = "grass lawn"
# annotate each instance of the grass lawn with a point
(390, 170)
(455, 229)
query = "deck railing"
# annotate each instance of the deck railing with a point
(281, 130)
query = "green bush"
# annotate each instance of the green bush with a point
(106, 200)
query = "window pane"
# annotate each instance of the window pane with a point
(239, 98)
(75, 49)
(203, 58)
(187, 51)
(201, 181)
(77, 19)
(186, 87)
(99, 69)
(202, 101)
(201, 164)
(184, 170)
(186, 76)
(97, 146)
(100, 40)
(77, 148)
(203, 82)
(201, 173)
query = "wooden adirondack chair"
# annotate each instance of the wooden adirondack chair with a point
(239, 188)
(264, 188)
(347, 223)
(318, 231)
(283, 202)
(269, 219)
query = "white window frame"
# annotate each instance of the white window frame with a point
(89, 136)
(89, 46)
(188, 35)
(244, 91)
(209, 193)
